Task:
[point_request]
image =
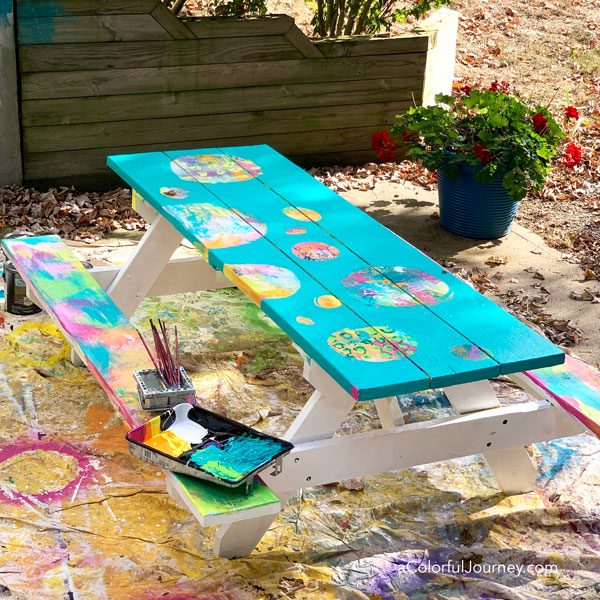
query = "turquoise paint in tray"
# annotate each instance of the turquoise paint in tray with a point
(191, 440)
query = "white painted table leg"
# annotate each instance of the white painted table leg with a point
(512, 467)
(390, 413)
(135, 279)
(320, 418)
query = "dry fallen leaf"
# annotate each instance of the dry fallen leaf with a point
(496, 260)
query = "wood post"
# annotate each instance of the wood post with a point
(439, 69)
(10, 133)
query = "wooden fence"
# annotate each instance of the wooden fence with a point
(119, 76)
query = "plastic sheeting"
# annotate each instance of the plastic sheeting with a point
(80, 518)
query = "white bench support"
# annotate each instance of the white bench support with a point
(319, 419)
(150, 257)
(381, 450)
(389, 412)
(511, 467)
(180, 275)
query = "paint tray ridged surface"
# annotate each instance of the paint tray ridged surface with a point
(192, 440)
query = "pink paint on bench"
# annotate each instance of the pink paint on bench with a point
(576, 387)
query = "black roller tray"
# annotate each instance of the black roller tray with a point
(192, 440)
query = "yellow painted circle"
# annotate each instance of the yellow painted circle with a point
(301, 214)
(38, 471)
(327, 302)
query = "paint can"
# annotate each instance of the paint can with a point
(16, 301)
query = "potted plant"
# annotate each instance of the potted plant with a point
(489, 149)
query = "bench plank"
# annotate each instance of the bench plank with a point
(112, 351)
(575, 386)
(432, 354)
(511, 343)
(203, 219)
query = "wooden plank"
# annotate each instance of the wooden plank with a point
(112, 350)
(182, 129)
(433, 440)
(10, 138)
(283, 72)
(351, 157)
(94, 109)
(282, 288)
(575, 387)
(52, 8)
(206, 27)
(423, 337)
(303, 43)
(503, 337)
(218, 505)
(173, 53)
(171, 23)
(71, 163)
(369, 46)
(86, 29)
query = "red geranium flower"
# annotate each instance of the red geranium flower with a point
(571, 112)
(482, 153)
(409, 136)
(465, 90)
(539, 122)
(499, 86)
(572, 155)
(384, 146)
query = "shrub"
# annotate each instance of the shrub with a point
(353, 17)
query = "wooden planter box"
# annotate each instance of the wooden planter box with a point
(120, 77)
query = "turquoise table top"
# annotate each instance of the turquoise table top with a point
(377, 314)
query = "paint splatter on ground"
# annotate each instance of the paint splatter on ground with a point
(81, 516)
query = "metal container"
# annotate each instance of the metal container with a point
(153, 394)
(16, 301)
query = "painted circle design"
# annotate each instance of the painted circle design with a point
(302, 214)
(397, 286)
(296, 231)
(304, 320)
(372, 344)
(469, 352)
(315, 251)
(46, 471)
(327, 302)
(217, 226)
(214, 168)
(262, 282)
(174, 192)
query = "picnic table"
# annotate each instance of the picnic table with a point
(373, 317)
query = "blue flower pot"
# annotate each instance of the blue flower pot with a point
(473, 209)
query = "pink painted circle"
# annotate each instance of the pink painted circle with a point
(46, 471)
(296, 231)
(214, 168)
(372, 344)
(315, 251)
(469, 352)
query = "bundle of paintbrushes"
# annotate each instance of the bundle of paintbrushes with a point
(167, 384)
(165, 359)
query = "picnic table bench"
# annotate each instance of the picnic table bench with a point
(372, 316)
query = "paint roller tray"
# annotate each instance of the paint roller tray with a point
(192, 440)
